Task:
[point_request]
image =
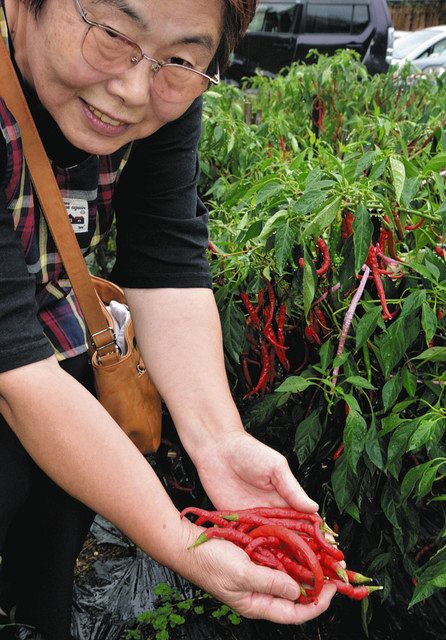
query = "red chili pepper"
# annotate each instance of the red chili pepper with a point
(311, 334)
(399, 226)
(246, 373)
(281, 324)
(326, 258)
(321, 319)
(263, 380)
(301, 263)
(272, 300)
(329, 548)
(440, 314)
(412, 227)
(267, 560)
(298, 548)
(439, 251)
(328, 563)
(209, 516)
(282, 146)
(237, 537)
(338, 451)
(269, 541)
(252, 312)
(274, 512)
(356, 593)
(347, 224)
(294, 568)
(270, 149)
(272, 369)
(383, 239)
(372, 261)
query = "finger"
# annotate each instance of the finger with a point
(273, 583)
(290, 490)
(286, 612)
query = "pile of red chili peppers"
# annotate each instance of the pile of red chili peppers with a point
(289, 541)
(263, 340)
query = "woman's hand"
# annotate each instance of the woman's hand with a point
(225, 571)
(237, 471)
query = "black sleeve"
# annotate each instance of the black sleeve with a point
(22, 340)
(162, 229)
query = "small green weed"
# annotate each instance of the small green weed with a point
(173, 609)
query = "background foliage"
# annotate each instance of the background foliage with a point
(324, 151)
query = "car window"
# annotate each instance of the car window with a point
(405, 45)
(439, 47)
(336, 18)
(274, 18)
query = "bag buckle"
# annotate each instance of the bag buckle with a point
(111, 343)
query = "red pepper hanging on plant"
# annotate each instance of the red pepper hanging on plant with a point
(372, 261)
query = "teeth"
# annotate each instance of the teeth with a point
(103, 117)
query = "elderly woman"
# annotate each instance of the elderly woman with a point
(98, 76)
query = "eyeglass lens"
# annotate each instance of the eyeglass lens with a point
(109, 52)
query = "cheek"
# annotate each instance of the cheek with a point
(168, 111)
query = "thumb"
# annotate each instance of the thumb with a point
(274, 583)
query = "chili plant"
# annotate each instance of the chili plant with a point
(328, 220)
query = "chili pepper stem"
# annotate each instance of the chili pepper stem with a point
(201, 538)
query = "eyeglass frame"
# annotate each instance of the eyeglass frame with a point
(156, 64)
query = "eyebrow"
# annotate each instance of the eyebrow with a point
(205, 40)
(125, 8)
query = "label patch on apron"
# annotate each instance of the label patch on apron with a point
(77, 210)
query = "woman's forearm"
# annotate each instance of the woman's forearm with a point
(74, 440)
(179, 334)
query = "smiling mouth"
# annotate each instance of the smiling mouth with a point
(103, 117)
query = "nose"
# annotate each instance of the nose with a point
(133, 86)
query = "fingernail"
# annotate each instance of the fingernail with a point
(291, 592)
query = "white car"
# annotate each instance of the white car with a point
(419, 44)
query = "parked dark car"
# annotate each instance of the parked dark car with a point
(283, 32)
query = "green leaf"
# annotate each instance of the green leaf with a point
(365, 162)
(373, 448)
(340, 360)
(398, 172)
(398, 446)
(411, 478)
(344, 483)
(366, 326)
(268, 191)
(353, 511)
(326, 354)
(272, 223)
(391, 391)
(434, 354)
(323, 219)
(294, 384)
(233, 327)
(422, 435)
(309, 201)
(307, 436)
(362, 235)
(354, 438)
(253, 231)
(283, 246)
(426, 482)
(437, 163)
(390, 500)
(309, 283)
(409, 382)
(428, 321)
(359, 381)
(396, 341)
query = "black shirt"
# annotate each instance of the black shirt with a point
(161, 227)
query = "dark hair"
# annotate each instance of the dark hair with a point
(238, 14)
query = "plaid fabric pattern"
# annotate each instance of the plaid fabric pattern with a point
(92, 181)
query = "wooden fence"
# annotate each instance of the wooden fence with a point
(410, 16)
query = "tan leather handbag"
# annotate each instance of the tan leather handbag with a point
(123, 385)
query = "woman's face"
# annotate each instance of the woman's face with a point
(49, 54)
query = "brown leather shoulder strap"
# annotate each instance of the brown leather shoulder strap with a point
(51, 202)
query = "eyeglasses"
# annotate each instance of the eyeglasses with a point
(109, 51)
